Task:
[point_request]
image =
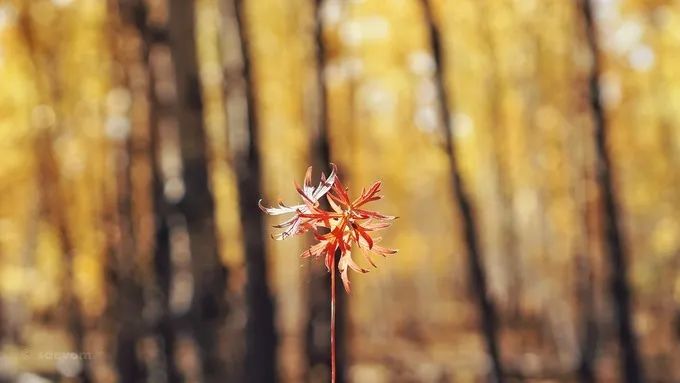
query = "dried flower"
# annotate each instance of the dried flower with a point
(348, 224)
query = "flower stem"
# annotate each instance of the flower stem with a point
(333, 321)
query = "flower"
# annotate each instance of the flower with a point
(348, 223)
(310, 198)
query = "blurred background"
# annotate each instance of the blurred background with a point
(530, 147)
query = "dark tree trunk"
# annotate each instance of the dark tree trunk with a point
(125, 287)
(164, 325)
(588, 325)
(631, 366)
(125, 281)
(317, 344)
(196, 204)
(125, 284)
(478, 283)
(261, 338)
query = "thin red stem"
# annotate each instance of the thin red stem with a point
(333, 320)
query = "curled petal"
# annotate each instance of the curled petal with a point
(367, 256)
(364, 235)
(334, 205)
(346, 262)
(281, 236)
(314, 251)
(374, 214)
(306, 198)
(342, 268)
(384, 251)
(340, 194)
(307, 185)
(373, 225)
(368, 196)
(326, 184)
(281, 209)
(340, 202)
(345, 280)
(310, 194)
(362, 243)
(297, 226)
(353, 265)
(330, 254)
(287, 223)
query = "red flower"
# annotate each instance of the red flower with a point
(349, 223)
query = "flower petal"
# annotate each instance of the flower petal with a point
(345, 280)
(375, 225)
(326, 184)
(281, 209)
(367, 255)
(383, 250)
(314, 251)
(375, 214)
(364, 235)
(334, 205)
(307, 185)
(368, 196)
(330, 254)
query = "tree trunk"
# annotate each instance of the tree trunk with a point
(196, 205)
(588, 324)
(478, 283)
(261, 338)
(164, 327)
(631, 366)
(125, 282)
(318, 347)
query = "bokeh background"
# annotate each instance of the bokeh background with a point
(136, 137)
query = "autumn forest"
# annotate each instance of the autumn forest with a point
(528, 152)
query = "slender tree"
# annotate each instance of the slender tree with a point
(261, 338)
(318, 350)
(125, 286)
(196, 204)
(631, 366)
(478, 282)
(134, 14)
(588, 325)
